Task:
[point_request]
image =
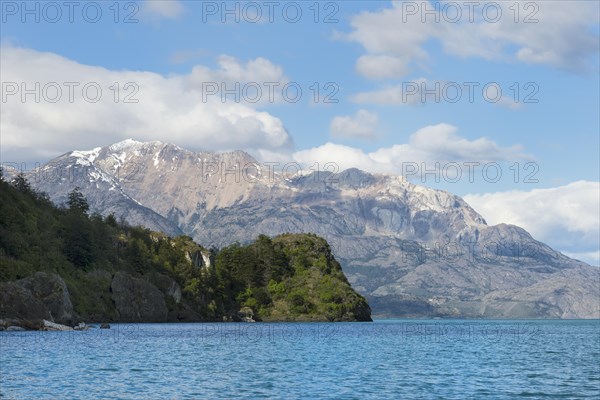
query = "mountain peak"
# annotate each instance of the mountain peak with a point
(85, 157)
(356, 178)
(125, 145)
(239, 156)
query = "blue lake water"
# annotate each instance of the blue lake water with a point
(395, 359)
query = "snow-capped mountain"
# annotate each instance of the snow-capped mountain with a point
(411, 250)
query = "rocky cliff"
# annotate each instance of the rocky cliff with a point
(42, 296)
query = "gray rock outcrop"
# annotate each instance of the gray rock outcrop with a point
(52, 326)
(51, 290)
(42, 296)
(137, 300)
(168, 286)
(17, 302)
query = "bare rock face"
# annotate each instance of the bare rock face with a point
(137, 300)
(52, 290)
(19, 303)
(168, 286)
(42, 296)
(410, 250)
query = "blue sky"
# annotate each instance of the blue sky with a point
(369, 52)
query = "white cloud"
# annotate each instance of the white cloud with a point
(381, 66)
(343, 156)
(163, 8)
(167, 107)
(591, 257)
(257, 70)
(441, 142)
(565, 217)
(422, 91)
(396, 36)
(258, 79)
(431, 144)
(388, 40)
(362, 125)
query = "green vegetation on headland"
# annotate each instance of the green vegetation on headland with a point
(114, 272)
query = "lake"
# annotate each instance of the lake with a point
(395, 359)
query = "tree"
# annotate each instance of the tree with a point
(137, 255)
(78, 239)
(22, 184)
(111, 220)
(77, 201)
(78, 234)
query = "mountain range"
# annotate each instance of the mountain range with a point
(412, 251)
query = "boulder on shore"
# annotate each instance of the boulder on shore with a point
(52, 326)
(19, 303)
(246, 314)
(14, 328)
(51, 290)
(81, 327)
(38, 302)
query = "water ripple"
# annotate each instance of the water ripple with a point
(386, 359)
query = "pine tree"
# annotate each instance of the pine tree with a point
(77, 202)
(22, 184)
(78, 239)
(78, 235)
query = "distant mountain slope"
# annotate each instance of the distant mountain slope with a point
(411, 250)
(103, 190)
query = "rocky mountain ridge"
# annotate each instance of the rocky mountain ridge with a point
(411, 250)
